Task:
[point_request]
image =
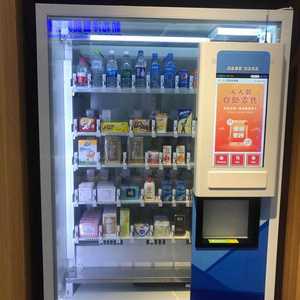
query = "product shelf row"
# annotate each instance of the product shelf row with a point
(132, 239)
(182, 91)
(188, 88)
(142, 203)
(131, 133)
(96, 163)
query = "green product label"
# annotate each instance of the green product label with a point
(126, 73)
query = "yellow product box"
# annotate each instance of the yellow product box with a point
(87, 150)
(184, 121)
(124, 221)
(114, 127)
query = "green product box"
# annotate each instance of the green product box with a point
(124, 221)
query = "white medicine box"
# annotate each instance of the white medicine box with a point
(85, 191)
(106, 191)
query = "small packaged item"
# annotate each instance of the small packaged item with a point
(129, 192)
(195, 79)
(89, 224)
(180, 192)
(141, 229)
(87, 150)
(179, 222)
(184, 78)
(112, 149)
(180, 153)
(153, 157)
(135, 150)
(161, 122)
(87, 124)
(109, 221)
(161, 226)
(184, 121)
(166, 190)
(85, 192)
(114, 127)
(167, 155)
(124, 221)
(149, 188)
(106, 191)
(141, 125)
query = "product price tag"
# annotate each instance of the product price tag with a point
(75, 161)
(94, 202)
(124, 161)
(98, 128)
(98, 161)
(174, 161)
(175, 129)
(75, 129)
(193, 128)
(75, 198)
(76, 235)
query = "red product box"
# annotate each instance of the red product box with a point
(87, 124)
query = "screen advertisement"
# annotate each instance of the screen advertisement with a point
(240, 108)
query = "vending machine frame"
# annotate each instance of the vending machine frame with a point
(43, 11)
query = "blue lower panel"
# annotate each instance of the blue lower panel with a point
(222, 295)
(237, 274)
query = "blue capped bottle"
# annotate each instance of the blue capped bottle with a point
(155, 72)
(111, 70)
(169, 71)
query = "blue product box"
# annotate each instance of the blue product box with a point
(180, 194)
(129, 192)
(166, 190)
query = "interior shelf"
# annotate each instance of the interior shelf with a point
(187, 203)
(182, 91)
(135, 238)
(104, 166)
(129, 274)
(148, 134)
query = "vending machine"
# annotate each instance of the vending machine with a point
(161, 142)
(238, 154)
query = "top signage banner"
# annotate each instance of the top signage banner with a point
(243, 62)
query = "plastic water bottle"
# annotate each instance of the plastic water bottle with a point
(112, 70)
(169, 72)
(155, 72)
(126, 71)
(82, 73)
(140, 70)
(97, 68)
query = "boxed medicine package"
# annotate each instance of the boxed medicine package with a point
(184, 121)
(106, 191)
(109, 222)
(85, 191)
(124, 222)
(89, 223)
(87, 150)
(161, 226)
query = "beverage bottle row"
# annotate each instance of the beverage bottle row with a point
(98, 68)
